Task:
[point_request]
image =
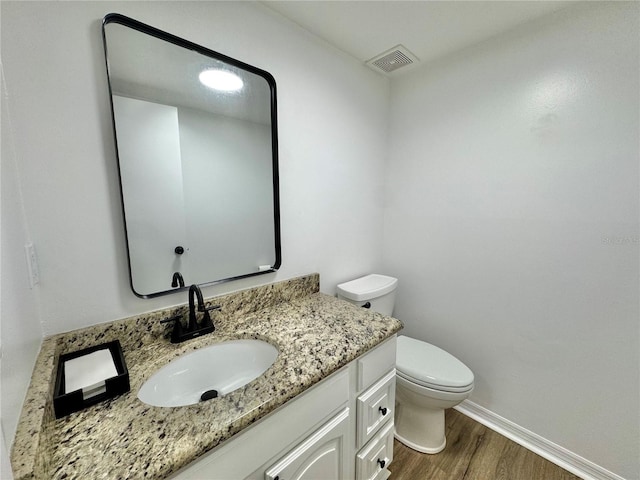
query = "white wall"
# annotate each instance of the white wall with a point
(21, 334)
(236, 183)
(332, 114)
(151, 172)
(512, 223)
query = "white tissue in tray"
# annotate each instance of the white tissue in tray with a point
(88, 373)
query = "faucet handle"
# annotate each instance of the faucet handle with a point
(211, 308)
(175, 318)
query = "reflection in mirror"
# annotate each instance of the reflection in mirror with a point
(197, 150)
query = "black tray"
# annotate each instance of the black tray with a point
(66, 403)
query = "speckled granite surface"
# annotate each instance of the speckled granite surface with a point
(124, 438)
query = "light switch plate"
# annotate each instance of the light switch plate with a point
(32, 264)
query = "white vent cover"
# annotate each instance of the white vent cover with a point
(392, 59)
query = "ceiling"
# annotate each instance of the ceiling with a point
(428, 29)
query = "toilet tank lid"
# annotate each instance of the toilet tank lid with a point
(368, 287)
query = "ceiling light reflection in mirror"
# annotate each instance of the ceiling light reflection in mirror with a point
(222, 80)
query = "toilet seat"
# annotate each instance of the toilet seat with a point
(432, 386)
(429, 366)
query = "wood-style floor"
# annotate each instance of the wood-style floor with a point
(473, 452)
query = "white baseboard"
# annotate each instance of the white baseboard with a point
(562, 457)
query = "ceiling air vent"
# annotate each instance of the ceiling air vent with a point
(392, 59)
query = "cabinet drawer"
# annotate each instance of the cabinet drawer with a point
(375, 407)
(373, 460)
(376, 363)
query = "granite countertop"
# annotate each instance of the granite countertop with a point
(124, 438)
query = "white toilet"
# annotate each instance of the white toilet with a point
(428, 379)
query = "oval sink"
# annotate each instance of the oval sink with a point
(222, 367)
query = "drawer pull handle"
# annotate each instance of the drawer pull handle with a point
(383, 410)
(382, 463)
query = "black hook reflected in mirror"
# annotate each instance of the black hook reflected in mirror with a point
(177, 280)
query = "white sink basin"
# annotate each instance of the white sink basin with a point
(222, 367)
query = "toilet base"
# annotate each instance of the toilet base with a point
(419, 426)
(420, 448)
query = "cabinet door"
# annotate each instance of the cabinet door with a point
(322, 456)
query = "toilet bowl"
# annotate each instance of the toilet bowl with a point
(428, 379)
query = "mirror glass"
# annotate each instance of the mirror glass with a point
(197, 151)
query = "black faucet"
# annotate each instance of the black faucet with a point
(193, 322)
(177, 280)
(194, 329)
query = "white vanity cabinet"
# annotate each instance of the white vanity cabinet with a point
(375, 405)
(340, 429)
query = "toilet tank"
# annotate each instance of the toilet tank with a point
(379, 291)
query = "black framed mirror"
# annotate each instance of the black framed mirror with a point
(197, 148)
